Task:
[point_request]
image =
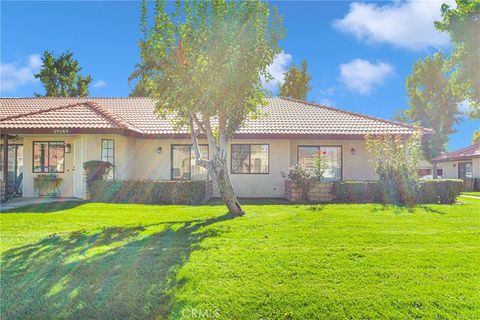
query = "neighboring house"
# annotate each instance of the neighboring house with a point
(425, 170)
(57, 135)
(461, 164)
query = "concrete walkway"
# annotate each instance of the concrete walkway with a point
(470, 196)
(18, 202)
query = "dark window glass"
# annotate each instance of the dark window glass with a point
(184, 163)
(49, 157)
(250, 158)
(108, 155)
(333, 157)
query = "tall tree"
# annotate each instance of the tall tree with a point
(297, 82)
(61, 76)
(433, 102)
(476, 137)
(139, 90)
(203, 61)
(463, 25)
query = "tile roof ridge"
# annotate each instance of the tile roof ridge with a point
(122, 123)
(71, 98)
(398, 123)
(25, 114)
(455, 152)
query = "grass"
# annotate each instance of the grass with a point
(92, 261)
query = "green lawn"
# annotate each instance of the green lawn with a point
(105, 261)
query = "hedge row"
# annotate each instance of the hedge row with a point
(431, 191)
(149, 192)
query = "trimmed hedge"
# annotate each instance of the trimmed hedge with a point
(149, 192)
(440, 190)
(357, 191)
(431, 191)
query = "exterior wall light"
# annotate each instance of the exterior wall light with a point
(68, 148)
(353, 151)
(159, 150)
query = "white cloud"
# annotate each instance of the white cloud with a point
(362, 75)
(14, 75)
(407, 24)
(464, 107)
(99, 84)
(277, 70)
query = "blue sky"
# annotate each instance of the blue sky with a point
(359, 54)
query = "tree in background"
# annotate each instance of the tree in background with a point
(463, 26)
(433, 101)
(204, 61)
(139, 90)
(296, 83)
(61, 76)
(476, 137)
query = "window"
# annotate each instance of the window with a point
(250, 158)
(333, 155)
(465, 170)
(183, 163)
(48, 156)
(108, 155)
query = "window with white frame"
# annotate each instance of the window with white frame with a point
(332, 155)
(250, 158)
(108, 155)
(183, 164)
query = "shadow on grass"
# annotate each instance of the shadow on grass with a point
(46, 207)
(118, 273)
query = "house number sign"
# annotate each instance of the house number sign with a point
(61, 131)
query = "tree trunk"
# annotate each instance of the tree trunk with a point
(225, 187)
(217, 166)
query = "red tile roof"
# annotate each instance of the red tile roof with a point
(470, 152)
(280, 117)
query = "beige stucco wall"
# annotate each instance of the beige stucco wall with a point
(67, 186)
(450, 168)
(153, 165)
(355, 166)
(139, 159)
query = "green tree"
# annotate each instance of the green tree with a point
(297, 82)
(139, 90)
(433, 102)
(463, 25)
(476, 137)
(395, 161)
(203, 61)
(61, 76)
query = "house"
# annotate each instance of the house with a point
(57, 135)
(460, 164)
(425, 170)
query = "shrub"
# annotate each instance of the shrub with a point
(149, 192)
(439, 191)
(95, 170)
(443, 191)
(300, 178)
(357, 191)
(395, 161)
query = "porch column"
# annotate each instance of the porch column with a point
(434, 170)
(5, 162)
